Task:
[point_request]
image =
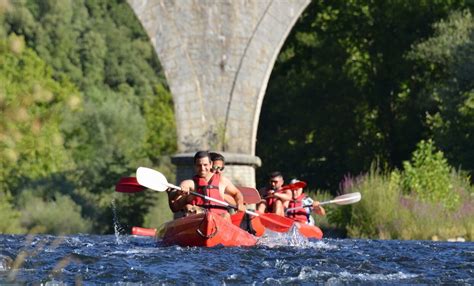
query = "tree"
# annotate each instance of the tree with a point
(446, 62)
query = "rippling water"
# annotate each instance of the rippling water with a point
(278, 259)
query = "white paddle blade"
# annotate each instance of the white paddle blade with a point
(152, 179)
(347, 199)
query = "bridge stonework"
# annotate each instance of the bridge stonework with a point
(217, 56)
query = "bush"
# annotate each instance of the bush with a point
(10, 222)
(59, 216)
(386, 212)
(428, 176)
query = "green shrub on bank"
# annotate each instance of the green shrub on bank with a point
(385, 212)
(428, 176)
(10, 222)
(426, 200)
(58, 216)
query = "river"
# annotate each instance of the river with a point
(277, 259)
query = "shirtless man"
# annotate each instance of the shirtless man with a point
(205, 182)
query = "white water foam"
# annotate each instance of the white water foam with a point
(291, 238)
(307, 273)
(370, 277)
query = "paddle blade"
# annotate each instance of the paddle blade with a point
(152, 179)
(347, 199)
(128, 185)
(275, 222)
(251, 195)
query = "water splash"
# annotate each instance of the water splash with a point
(278, 239)
(117, 226)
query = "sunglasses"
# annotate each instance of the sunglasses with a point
(217, 168)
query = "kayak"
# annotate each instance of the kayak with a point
(205, 229)
(309, 231)
(208, 230)
(257, 226)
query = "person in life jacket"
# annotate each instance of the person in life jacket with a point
(274, 198)
(218, 166)
(300, 206)
(207, 183)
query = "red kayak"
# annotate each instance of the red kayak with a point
(309, 231)
(205, 229)
(210, 230)
(258, 225)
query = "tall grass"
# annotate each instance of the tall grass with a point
(387, 212)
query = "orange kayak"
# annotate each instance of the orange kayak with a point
(205, 229)
(309, 231)
(258, 226)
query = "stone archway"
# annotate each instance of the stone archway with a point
(218, 57)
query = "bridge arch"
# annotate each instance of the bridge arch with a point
(218, 57)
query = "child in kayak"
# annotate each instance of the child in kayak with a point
(300, 206)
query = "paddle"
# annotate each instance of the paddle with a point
(346, 199)
(128, 185)
(131, 185)
(156, 181)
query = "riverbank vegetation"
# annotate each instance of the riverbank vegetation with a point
(84, 101)
(427, 199)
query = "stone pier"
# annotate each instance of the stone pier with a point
(218, 56)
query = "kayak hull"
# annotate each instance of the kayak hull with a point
(307, 230)
(205, 230)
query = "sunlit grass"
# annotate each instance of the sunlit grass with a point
(385, 212)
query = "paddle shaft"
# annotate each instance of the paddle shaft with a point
(213, 200)
(346, 200)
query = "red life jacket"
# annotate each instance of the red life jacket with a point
(210, 189)
(300, 215)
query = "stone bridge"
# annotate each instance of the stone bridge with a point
(217, 56)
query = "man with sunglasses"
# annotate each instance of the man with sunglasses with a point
(218, 162)
(208, 183)
(274, 198)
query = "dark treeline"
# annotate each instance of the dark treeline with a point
(84, 102)
(364, 81)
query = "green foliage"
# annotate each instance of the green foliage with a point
(386, 212)
(159, 213)
(126, 118)
(446, 60)
(428, 176)
(58, 216)
(343, 91)
(10, 222)
(32, 102)
(160, 118)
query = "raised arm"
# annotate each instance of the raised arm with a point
(283, 196)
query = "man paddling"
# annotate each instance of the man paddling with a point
(275, 199)
(299, 199)
(205, 182)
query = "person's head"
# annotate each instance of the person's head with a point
(202, 163)
(218, 162)
(276, 180)
(300, 190)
